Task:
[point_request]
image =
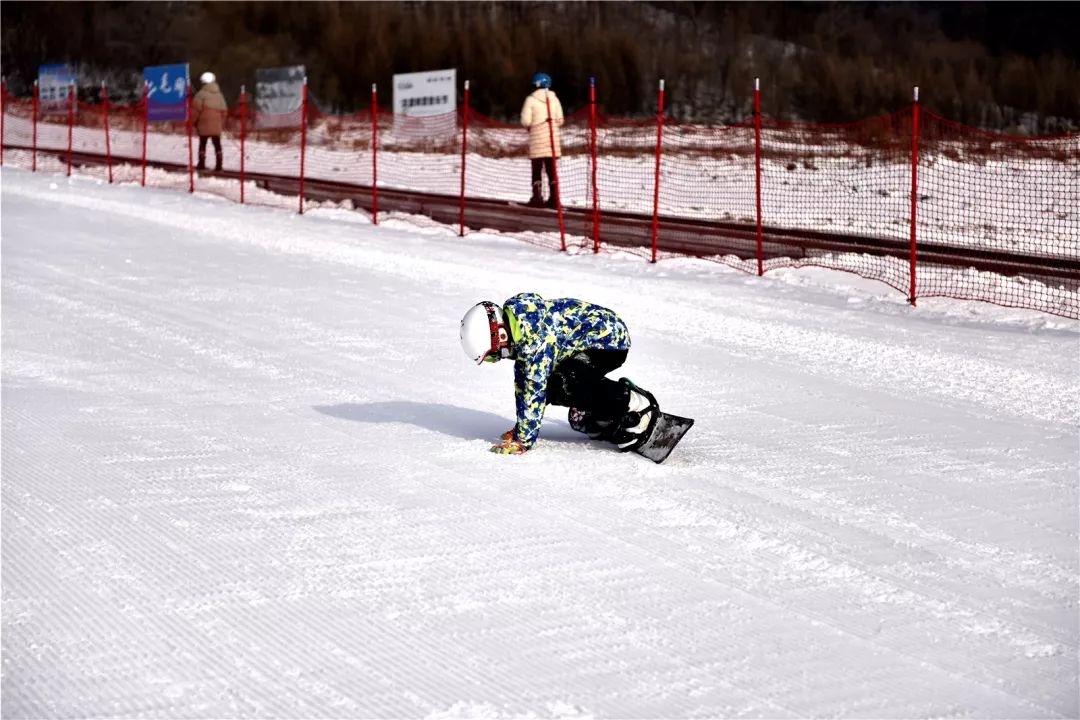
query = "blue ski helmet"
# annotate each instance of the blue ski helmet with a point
(541, 80)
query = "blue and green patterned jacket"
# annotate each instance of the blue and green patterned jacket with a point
(546, 332)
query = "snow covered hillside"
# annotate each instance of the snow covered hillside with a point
(245, 474)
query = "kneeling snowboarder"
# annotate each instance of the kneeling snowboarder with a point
(562, 351)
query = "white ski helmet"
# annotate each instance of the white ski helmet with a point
(485, 336)
(207, 77)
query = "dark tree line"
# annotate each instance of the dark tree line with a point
(998, 65)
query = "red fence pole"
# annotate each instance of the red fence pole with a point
(71, 123)
(374, 155)
(592, 151)
(243, 131)
(105, 118)
(555, 171)
(190, 167)
(3, 100)
(757, 175)
(303, 142)
(464, 148)
(656, 180)
(914, 184)
(145, 123)
(33, 161)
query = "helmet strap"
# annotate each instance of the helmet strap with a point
(505, 351)
(500, 335)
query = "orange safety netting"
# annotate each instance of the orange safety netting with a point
(994, 218)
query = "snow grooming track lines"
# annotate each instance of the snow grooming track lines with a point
(768, 552)
(233, 487)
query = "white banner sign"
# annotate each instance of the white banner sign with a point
(423, 94)
(54, 88)
(279, 94)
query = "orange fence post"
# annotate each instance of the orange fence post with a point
(33, 161)
(914, 184)
(145, 123)
(187, 120)
(303, 142)
(757, 175)
(71, 123)
(592, 151)
(656, 179)
(464, 148)
(374, 155)
(243, 132)
(105, 117)
(3, 99)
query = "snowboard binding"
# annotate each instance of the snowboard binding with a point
(643, 428)
(628, 432)
(637, 424)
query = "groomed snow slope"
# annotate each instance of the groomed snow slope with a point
(245, 474)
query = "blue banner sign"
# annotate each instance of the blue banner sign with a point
(54, 88)
(166, 92)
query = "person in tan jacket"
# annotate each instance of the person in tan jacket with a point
(208, 111)
(534, 116)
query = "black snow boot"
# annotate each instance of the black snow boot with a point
(586, 422)
(537, 200)
(552, 195)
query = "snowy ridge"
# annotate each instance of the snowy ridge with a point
(245, 475)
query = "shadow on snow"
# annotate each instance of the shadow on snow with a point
(446, 419)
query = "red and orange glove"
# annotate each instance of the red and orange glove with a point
(508, 445)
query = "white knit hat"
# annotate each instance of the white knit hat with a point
(207, 77)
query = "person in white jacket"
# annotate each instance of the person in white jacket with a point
(542, 149)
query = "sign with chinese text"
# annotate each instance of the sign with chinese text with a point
(423, 94)
(167, 87)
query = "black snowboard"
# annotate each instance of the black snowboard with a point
(666, 433)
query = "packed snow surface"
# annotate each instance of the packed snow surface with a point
(245, 474)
